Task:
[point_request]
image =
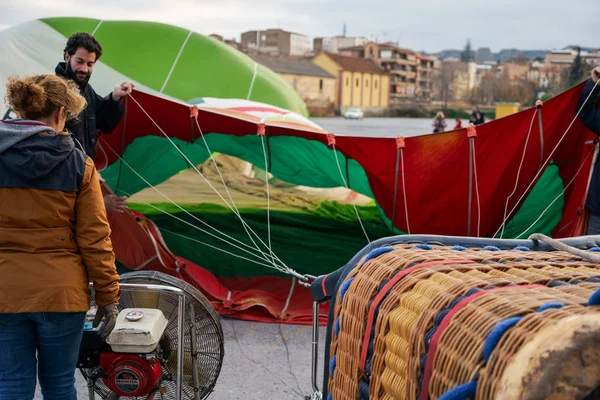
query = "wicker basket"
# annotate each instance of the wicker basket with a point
(429, 322)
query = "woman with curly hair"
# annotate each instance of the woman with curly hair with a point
(54, 238)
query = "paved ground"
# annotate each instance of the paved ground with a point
(262, 361)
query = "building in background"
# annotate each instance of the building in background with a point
(360, 82)
(425, 65)
(592, 58)
(368, 50)
(401, 64)
(316, 86)
(484, 54)
(276, 42)
(411, 73)
(537, 76)
(515, 71)
(333, 44)
(558, 60)
(230, 42)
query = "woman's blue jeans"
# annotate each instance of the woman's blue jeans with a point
(55, 339)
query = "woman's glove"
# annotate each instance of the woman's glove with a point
(109, 312)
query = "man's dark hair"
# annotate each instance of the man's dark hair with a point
(84, 40)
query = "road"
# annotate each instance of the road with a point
(262, 361)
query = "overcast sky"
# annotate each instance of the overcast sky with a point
(429, 25)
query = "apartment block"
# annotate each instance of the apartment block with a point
(333, 44)
(411, 73)
(276, 42)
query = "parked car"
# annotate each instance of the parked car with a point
(354, 113)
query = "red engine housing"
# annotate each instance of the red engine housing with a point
(130, 375)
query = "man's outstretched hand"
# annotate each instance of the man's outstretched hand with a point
(122, 90)
(596, 74)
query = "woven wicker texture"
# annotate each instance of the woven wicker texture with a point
(392, 306)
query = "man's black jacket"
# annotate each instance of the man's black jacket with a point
(590, 117)
(101, 114)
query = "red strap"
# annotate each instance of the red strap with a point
(262, 130)
(384, 291)
(323, 285)
(330, 139)
(400, 142)
(471, 131)
(445, 323)
(193, 112)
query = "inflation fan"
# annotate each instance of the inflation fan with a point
(167, 343)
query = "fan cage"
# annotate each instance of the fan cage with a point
(205, 325)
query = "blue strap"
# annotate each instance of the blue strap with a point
(462, 392)
(332, 364)
(423, 246)
(558, 283)
(499, 330)
(595, 249)
(522, 248)
(496, 334)
(458, 248)
(594, 298)
(491, 248)
(344, 288)
(377, 252)
(552, 304)
(363, 390)
(336, 327)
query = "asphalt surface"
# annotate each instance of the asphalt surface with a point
(262, 361)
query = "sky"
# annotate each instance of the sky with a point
(422, 25)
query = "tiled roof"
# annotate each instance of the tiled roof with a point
(291, 65)
(355, 64)
(352, 48)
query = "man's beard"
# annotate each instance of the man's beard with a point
(80, 78)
